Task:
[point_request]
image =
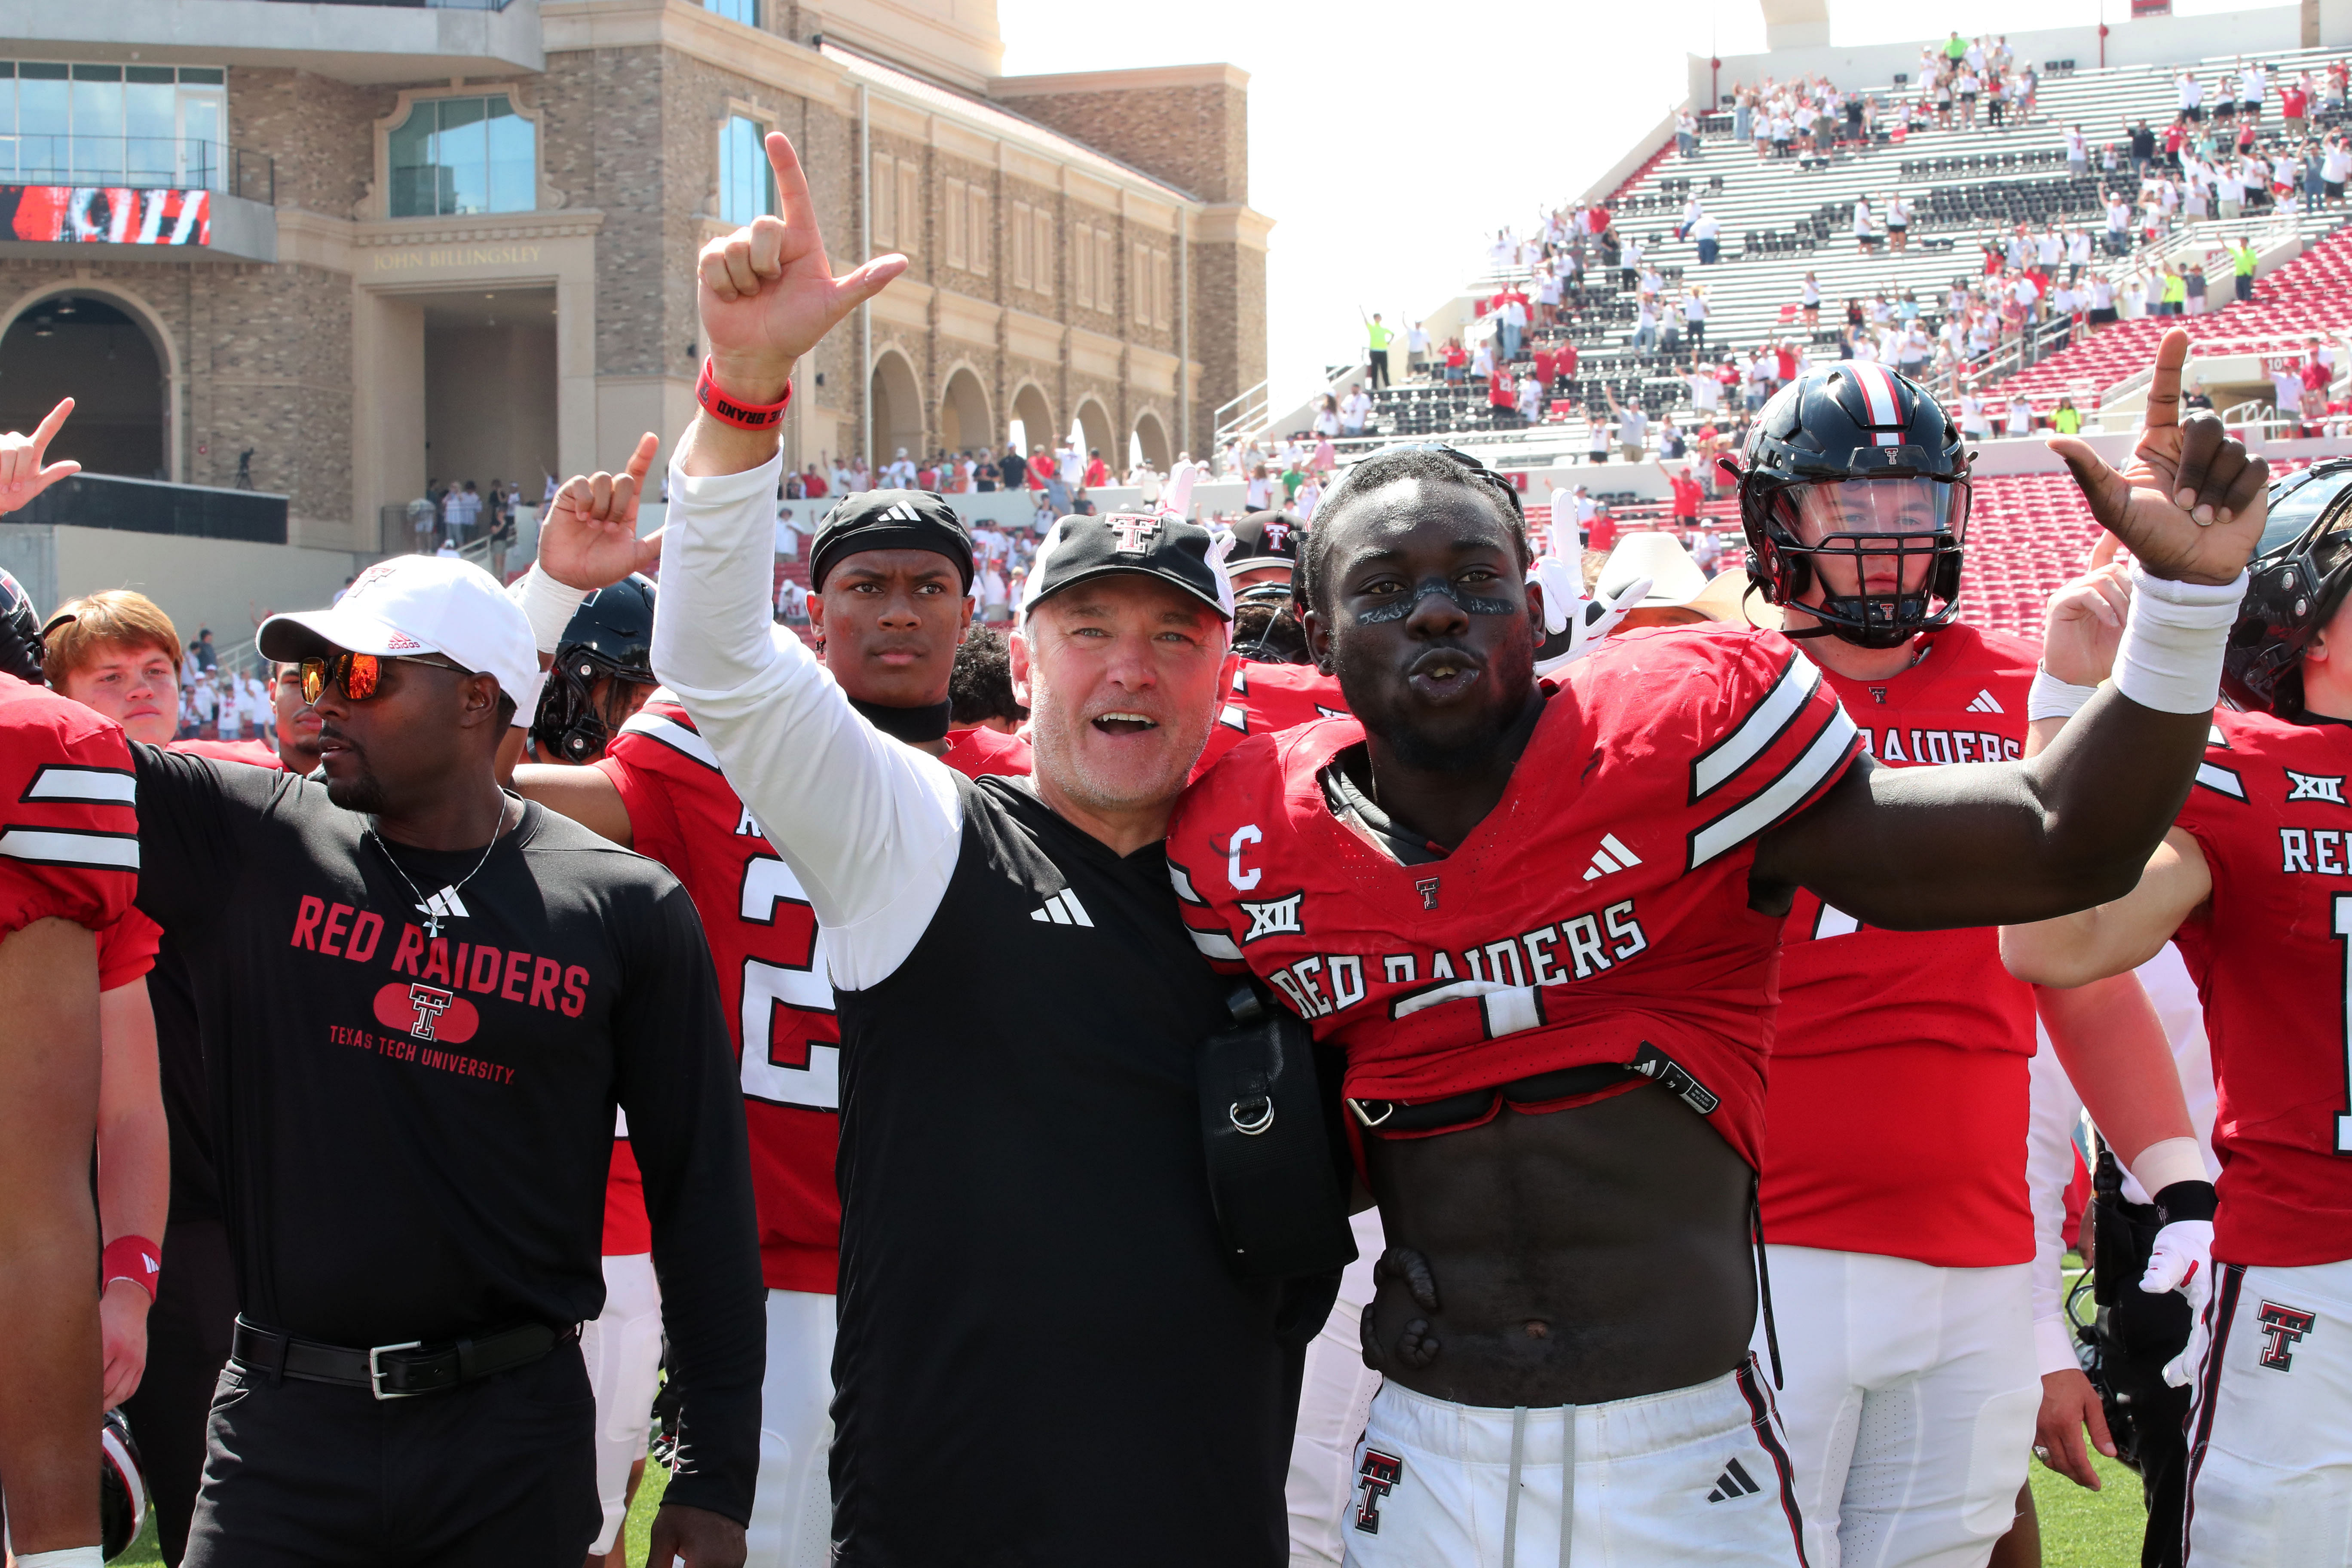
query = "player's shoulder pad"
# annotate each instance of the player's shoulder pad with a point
(662, 736)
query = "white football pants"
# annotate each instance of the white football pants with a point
(1910, 1398)
(622, 1350)
(792, 1511)
(1333, 1399)
(1692, 1478)
(2270, 1455)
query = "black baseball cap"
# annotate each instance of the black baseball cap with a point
(1161, 545)
(890, 520)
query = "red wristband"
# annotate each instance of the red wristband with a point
(734, 411)
(131, 1257)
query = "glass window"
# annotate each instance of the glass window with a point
(747, 185)
(140, 125)
(457, 155)
(744, 11)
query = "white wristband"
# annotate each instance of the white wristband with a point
(2050, 697)
(2170, 658)
(2168, 1161)
(2054, 1347)
(70, 1557)
(548, 605)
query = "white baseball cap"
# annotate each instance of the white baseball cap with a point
(1674, 578)
(417, 604)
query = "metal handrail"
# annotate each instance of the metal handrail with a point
(1246, 411)
(137, 163)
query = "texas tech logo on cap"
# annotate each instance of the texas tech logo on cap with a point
(1134, 530)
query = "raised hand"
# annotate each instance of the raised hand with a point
(590, 537)
(2191, 503)
(767, 293)
(22, 475)
(2085, 624)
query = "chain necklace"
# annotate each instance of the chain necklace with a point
(434, 908)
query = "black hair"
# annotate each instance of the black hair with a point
(1402, 463)
(980, 686)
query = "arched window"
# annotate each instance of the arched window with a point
(454, 155)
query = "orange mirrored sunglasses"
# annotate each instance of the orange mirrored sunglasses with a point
(359, 676)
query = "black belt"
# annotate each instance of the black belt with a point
(392, 1371)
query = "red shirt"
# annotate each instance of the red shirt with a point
(1498, 389)
(1456, 356)
(1262, 699)
(1875, 1024)
(769, 956)
(1689, 498)
(812, 484)
(1601, 533)
(1788, 357)
(1097, 474)
(980, 750)
(2293, 101)
(2268, 954)
(252, 754)
(1041, 468)
(1547, 366)
(1597, 914)
(70, 841)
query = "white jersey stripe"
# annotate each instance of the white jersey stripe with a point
(1183, 881)
(1216, 944)
(61, 846)
(1757, 733)
(674, 735)
(1779, 798)
(94, 787)
(2221, 779)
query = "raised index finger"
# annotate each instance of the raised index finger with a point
(2164, 389)
(49, 427)
(793, 203)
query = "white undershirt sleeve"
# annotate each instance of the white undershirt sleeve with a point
(872, 827)
(2049, 1168)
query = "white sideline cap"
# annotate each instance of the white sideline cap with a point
(1674, 578)
(413, 604)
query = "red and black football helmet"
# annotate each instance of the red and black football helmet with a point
(1858, 464)
(121, 1488)
(20, 632)
(2301, 570)
(611, 635)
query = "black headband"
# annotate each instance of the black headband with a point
(890, 520)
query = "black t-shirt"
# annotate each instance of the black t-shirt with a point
(1039, 1334)
(411, 1134)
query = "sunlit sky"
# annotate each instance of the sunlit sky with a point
(1384, 137)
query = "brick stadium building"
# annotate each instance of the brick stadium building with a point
(335, 251)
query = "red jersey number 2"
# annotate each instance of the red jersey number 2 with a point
(783, 1061)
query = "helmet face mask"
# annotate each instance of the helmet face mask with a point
(2297, 582)
(1855, 480)
(1884, 552)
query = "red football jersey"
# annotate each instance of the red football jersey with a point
(253, 754)
(1597, 914)
(2271, 955)
(980, 750)
(126, 949)
(69, 835)
(1266, 699)
(1879, 1028)
(769, 956)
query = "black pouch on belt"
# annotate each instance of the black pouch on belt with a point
(1269, 1126)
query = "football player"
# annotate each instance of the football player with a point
(2253, 886)
(1901, 1266)
(891, 572)
(1542, 922)
(69, 867)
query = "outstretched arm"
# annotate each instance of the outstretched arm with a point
(2007, 843)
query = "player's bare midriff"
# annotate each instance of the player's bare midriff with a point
(1576, 1256)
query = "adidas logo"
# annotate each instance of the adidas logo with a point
(445, 903)
(900, 512)
(1063, 909)
(1986, 704)
(1611, 856)
(1734, 1481)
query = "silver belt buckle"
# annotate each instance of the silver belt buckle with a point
(375, 1372)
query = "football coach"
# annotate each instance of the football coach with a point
(421, 998)
(1043, 1358)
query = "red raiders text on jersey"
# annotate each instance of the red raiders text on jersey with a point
(1599, 909)
(1879, 1028)
(1264, 700)
(69, 836)
(2271, 955)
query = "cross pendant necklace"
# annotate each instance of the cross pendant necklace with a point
(433, 909)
